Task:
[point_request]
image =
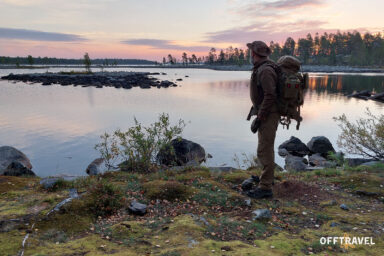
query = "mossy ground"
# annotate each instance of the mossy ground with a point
(196, 212)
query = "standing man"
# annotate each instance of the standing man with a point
(263, 95)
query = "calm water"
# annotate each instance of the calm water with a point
(57, 127)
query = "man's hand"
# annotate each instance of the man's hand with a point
(255, 125)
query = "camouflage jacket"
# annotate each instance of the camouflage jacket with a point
(263, 89)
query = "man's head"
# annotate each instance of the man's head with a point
(259, 50)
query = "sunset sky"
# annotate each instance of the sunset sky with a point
(150, 29)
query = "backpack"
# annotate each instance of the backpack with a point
(289, 89)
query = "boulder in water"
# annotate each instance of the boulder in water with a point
(9, 155)
(321, 145)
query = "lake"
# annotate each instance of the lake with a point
(58, 126)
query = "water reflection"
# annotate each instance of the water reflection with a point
(345, 84)
(57, 127)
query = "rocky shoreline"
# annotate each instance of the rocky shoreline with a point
(318, 153)
(125, 80)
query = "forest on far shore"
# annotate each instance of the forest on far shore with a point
(348, 48)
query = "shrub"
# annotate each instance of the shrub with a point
(105, 199)
(138, 146)
(365, 138)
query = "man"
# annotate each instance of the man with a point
(263, 96)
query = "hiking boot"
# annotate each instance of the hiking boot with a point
(247, 184)
(255, 178)
(259, 193)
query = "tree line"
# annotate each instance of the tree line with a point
(348, 48)
(29, 60)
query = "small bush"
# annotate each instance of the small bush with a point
(365, 138)
(138, 146)
(169, 190)
(105, 199)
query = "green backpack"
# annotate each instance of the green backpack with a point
(290, 89)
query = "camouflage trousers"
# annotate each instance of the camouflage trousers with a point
(265, 149)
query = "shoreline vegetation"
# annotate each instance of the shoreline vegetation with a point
(304, 68)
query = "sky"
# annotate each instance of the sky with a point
(151, 29)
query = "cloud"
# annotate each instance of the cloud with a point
(291, 4)
(164, 44)
(35, 35)
(281, 9)
(276, 31)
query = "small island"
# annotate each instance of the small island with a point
(125, 80)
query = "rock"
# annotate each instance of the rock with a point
(96, 167)
(248, 202)
(262, 214)
(353, 162)
(366, 193)
(18, 169)
(293, 146)
(209, 156)
(295, 163)
(344, 207)
(318, 160)
(97, 79)
(321, 145)
(226, 248)
(48, 183)
(184, 151)
(72, 195)
(247, 184)
(10, 154)
(193, 163)
(221, 169)
(137, 208)
(179, 79)
(283, 152)
(334, 224)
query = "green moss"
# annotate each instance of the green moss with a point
(73, 218)
(88, 245)
(200, 174)
(236, 177)
(169, 190)
(11, 183)
(361, 181)
(10, 242)
(128, 230)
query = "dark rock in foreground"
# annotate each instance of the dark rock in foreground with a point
(125, 80)
(261, 214)
(14, 162)
(318, 160)
(96, 167)
(18, 169)
(321, 145)
(184, 151)
(295, 163)
(137, 208)
(293, 146)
